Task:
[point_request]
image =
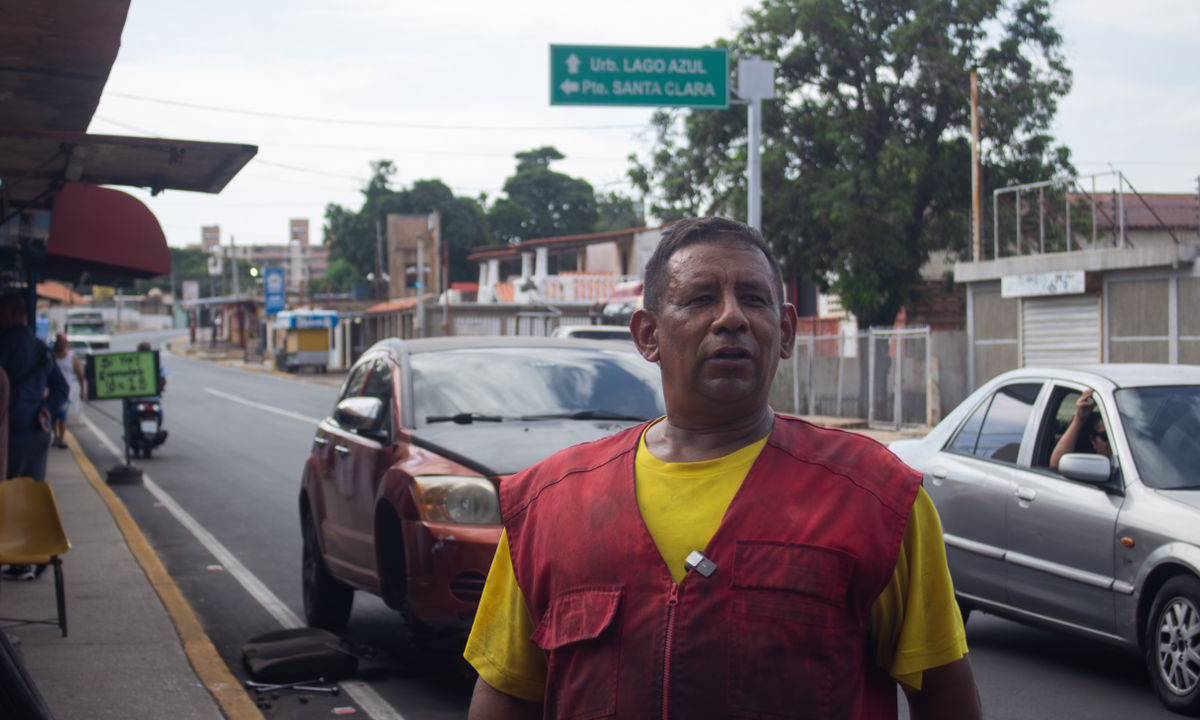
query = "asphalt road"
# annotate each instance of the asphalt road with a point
(232, 463)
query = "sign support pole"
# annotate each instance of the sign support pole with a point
(755, 83)
(754, 166)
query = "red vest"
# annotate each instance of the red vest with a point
(779, 630)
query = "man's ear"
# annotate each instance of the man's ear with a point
(787, 326)
(644, 327)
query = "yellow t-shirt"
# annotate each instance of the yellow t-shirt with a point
(915, 622)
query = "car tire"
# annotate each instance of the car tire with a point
(1172, 657)
(327, 600)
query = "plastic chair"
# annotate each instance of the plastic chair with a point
(31, 533)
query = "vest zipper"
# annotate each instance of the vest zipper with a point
(672, 601)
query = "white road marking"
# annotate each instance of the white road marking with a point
(262, 406)
(366, 696)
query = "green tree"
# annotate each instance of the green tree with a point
(541, 202)
(339, 277)
(614, 211)
(866, 154)
(351, 234)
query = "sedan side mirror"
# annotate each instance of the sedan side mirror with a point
(1086, 467)
(360, 414)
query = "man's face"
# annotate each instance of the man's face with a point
(719, 334)
(1099, 438)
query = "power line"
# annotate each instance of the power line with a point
(367, 123)
(375, 149)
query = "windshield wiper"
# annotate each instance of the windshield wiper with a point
(584, 415)
(463, 418)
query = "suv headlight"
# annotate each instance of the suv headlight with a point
(456, 499)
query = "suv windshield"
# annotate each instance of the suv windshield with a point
(536, 381)
(1162, 425)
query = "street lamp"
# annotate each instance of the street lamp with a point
(253, 272)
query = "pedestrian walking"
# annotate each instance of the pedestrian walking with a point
(723, 560)
(71, 368)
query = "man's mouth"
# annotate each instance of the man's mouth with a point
(731, 353)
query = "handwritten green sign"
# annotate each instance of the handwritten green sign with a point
(116, 375)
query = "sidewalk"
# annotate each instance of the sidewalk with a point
(124, 656)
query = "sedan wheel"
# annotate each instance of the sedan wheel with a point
(327, 600)
(1173, 644)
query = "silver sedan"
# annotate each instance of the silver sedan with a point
(1079, 510)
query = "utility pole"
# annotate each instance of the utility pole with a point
(756, 82)
(233, 268)
(378, 257)
(976, 175)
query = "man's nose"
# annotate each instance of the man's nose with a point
(731, 318)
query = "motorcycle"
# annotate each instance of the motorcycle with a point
(143, 425)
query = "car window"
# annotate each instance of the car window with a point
(1060, 411)
(999, 435)
(354, 382)
(378, 384)
(1162, 425)
(514, 382)
(968, 435)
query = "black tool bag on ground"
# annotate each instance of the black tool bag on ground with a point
(299, 654)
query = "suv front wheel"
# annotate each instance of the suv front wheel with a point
(327, 600)
(1173, 644)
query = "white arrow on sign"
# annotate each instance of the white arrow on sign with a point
(568, 87)
(573, 64)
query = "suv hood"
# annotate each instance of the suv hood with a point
(511, 446)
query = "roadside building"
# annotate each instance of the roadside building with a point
(1125, 289)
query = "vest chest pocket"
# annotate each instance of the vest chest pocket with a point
(582, 643)
(794, 651)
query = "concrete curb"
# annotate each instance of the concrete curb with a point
(212, 671)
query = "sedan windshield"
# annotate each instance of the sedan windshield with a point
(535, 382)
(1163, 428)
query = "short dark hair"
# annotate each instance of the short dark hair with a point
(691, 231)
(1093, 423)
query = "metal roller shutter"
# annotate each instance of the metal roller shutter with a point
(1060, 331)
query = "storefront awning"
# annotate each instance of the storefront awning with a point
(102, 231)
(34, 162)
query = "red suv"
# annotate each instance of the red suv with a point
(399, 495)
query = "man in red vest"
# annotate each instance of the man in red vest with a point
(722, 561)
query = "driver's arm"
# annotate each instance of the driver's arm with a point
(1066, 443)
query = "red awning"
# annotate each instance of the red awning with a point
(104, 232)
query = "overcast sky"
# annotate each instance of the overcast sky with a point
(463, 85)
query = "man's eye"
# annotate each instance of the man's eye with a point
(699, 300)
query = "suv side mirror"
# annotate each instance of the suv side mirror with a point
(1086, 467)
(361, 414)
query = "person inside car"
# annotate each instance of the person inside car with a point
(723, 560)
(1087, 420)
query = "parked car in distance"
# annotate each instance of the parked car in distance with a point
(1104, 548)
(399, 495)
(87, 331)
(593, 332)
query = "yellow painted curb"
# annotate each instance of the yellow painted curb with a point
(201, 653)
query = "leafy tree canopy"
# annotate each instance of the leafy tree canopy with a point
(541, 202)
(866, 150)
(351, 236)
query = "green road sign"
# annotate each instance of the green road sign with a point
(661, 77)
(116, 375)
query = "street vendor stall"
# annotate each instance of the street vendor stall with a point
(304, 339)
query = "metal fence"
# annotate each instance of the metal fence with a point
(883, 376)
